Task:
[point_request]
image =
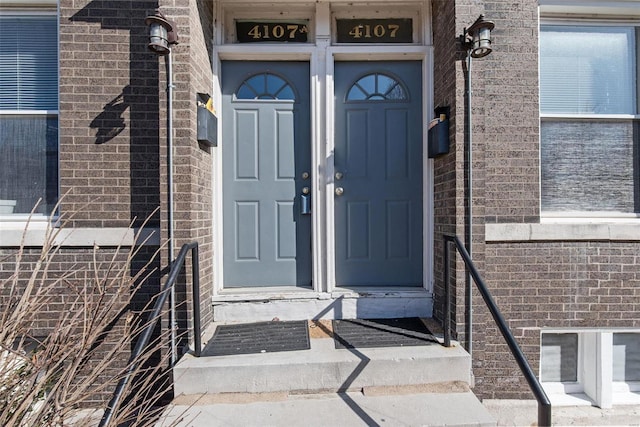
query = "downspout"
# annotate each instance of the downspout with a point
(469, 302)
(170, 225)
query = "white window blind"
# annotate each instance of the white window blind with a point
(28, 62)
(587, 70)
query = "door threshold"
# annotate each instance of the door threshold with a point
(355, 291)
(265, 293)
(256, 305)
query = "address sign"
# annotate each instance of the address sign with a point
(254, 31)
(398, 30)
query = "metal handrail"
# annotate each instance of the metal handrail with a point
(176, 268)
(544, 405)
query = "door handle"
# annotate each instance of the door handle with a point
(339, 191)
(305, 201)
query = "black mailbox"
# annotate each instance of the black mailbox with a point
(439, 133)
(207, 127)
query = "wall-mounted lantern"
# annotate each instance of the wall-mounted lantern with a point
(476, 40)
(477, 37)
(162, 33)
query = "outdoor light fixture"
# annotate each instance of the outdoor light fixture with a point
(477, 41)
(161, 33)
(477, 38)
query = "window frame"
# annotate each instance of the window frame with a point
(35, 8)
(585, 21)
(595, 372)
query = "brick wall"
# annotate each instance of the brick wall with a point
(446, 195)
(451, 192)
(113, 120)
(109, 119)
(80, 282)
(511, 122)
(193, 176)
(536, 284)
(554, 285)
(113, 113)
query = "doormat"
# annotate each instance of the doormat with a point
(261, 337)
(369, 333)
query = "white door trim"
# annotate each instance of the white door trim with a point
(322, 56)
(381, 53)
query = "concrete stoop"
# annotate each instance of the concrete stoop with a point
(333, 409)
(409, 386)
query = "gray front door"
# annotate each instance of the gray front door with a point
(378, 166)
(266, 165)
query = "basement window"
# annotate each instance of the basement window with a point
(591, 367)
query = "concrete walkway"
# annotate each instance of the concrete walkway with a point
(356, 409)
(525, 413)
(353, 409)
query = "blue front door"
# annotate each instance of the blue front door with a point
(266, 165)
(378, 173)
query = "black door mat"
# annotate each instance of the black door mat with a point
(262, 337)
(369, 333)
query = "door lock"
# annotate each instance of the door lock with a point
(339, 191)
(338, 176)
(305, 175)
(305, 201)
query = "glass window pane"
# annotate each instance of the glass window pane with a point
(245, 92)
(28, 63)
(589, 165)
(286, 93)
(258, 83)
(559, 358)
(368, 84)
(626, 357)
(356, 94)
(385, 83)
(376, 87)
(587, 69)
(29, 153)
(265, 86)
(397, 93)
(274, 84)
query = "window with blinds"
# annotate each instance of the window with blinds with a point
(28, 112)
(588, 108)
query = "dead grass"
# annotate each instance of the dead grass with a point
(45, 380)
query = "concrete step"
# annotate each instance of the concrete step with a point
(382, 408)
(322, 368)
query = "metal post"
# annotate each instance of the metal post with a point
(469, 287)
(195, 266)
(447, 295)
(170, 225)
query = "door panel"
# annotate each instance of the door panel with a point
(265, 150)
(378, 161)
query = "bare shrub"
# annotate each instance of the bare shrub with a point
(66, 335)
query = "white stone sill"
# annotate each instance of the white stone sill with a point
(581, 231)
(14, 235)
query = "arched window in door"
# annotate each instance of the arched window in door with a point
(377, 87)
(265, 86)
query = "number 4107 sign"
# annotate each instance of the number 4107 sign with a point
(374, 30)
(252, 31)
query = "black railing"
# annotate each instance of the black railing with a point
(544, 405)
(134, 361)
